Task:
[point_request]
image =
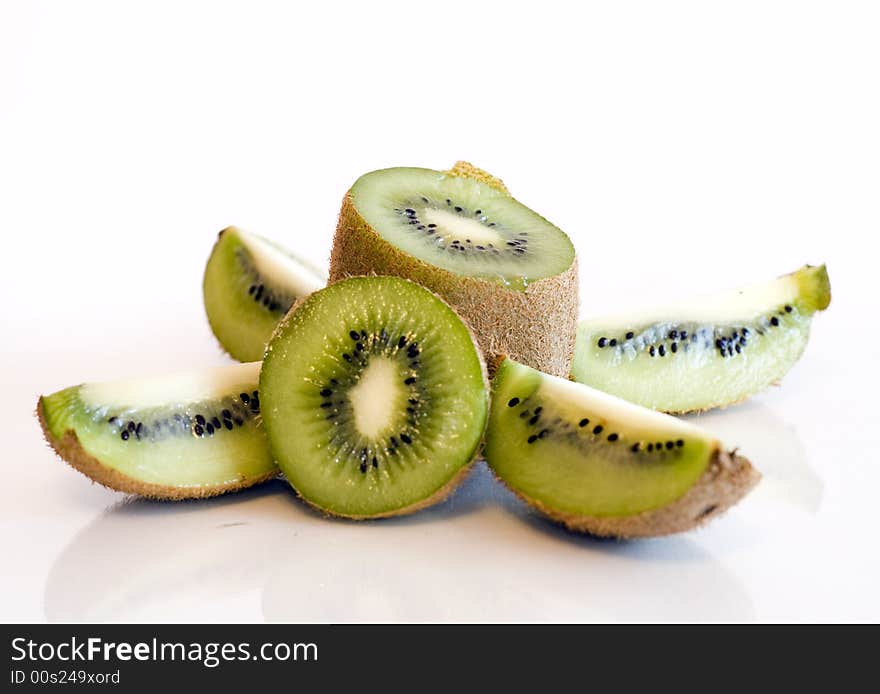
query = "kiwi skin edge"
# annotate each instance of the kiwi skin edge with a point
(443, 492)
(535, 326)
(71, 451)
(725, 481)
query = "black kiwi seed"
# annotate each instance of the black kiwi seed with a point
(124, 434)
(457, 208)
(651, 350)
(612, 342)
(630, 335)
(111, 420)
(354, 334)
(533, 438)
(684, 334)
(774, 321)
(406, 439)
(513, 402)
(326, 392)
(409, 210)
(662, 351)
(363, 467)
(612, 437)
(245, 398)
(252, 289)
(228, 424)
(543, 433)
(539, 409)
(534, 419)
(215, 422)
(346, 356)
(788, 309)
(209, 428)
(602, 342)
(583, 422)
(197, 430)
(674, 347)
(673, 334)
(597, 429)
(226, 414)
(524, 414)
(738, 349)
(238, 421)
(669, 445)
(200, 420)
(375, 462)
(409, 381)
(650, 447)
(401, 342)
(259, 293)
(679, 443)
(635, 447)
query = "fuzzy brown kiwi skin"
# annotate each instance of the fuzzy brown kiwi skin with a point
(726, 480)
(444, 491)
(71, 451)
(536, 326)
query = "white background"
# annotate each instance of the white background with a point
(684, 146)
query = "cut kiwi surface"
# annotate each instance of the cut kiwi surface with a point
(374, 397)
(181, 437)
(711, 352)
(601, 465)
(510, 273)
(249, 284)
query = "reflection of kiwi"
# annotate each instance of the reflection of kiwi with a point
(605, 466)
(374, 397)
(191, 436)
(505, 269)
(708, 352)
(249, 284)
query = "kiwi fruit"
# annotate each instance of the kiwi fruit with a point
(704, 353)
(249, 284)
(601, 465)
(178, 437)
(374, 397)
(510, 273)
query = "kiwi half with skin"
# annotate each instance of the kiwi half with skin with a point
(374, 397)
(249, 284)
(180, 437)
(601, 465)
(710, 352)
(505, 269)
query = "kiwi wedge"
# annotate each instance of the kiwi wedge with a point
(374, 397)
(249, 284)
(506, 270)
(601, 465)
(709, 352)
(179, 437)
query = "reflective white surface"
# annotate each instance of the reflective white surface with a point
(682, 148)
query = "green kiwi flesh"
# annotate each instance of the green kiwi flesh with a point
(462, 224)
(711, 352)
(188, 436)
(602, 465)
(249, 284)
(374, 397)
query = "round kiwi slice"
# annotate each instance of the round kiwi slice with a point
(601, 465)
(710, 352)
(505, 269)
(180, 437)
(374, 397)
(249, 284)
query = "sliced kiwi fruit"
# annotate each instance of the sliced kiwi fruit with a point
(249, 284)
(604, 466)
(506, 270)
(179, 437)
(710, 352)
(374, 397)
